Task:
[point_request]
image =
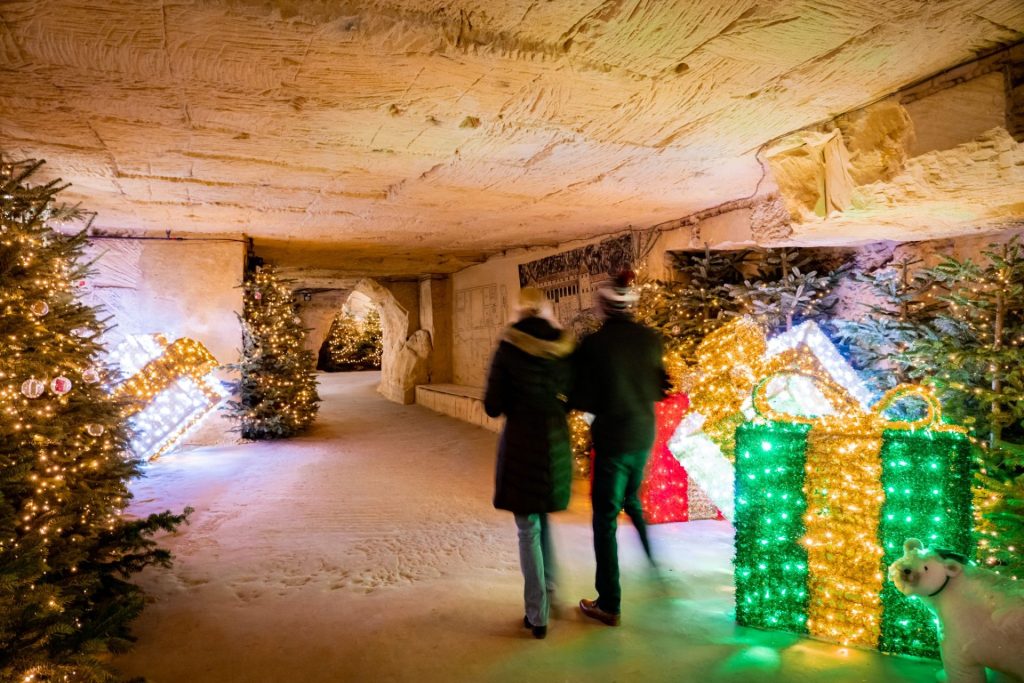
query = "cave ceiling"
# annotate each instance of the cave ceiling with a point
(420, 135)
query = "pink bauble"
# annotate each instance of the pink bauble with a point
(60, 385)
(258, 295)
(90, 376)
(33, 388)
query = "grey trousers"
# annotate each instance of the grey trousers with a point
(537, 561)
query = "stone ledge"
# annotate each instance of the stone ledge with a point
(461, 402)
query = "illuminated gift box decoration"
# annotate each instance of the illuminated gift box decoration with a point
(823, 506)
(667, 493)
(169, 389)
(731, 360)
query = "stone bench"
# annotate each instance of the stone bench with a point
(458, 401)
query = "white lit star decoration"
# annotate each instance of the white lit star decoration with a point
(171, 387)
(732, 360)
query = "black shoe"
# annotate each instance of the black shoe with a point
(539, 632)
(590, 609)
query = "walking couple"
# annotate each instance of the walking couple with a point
(536, 376)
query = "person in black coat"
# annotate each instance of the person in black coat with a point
(619, 376)
(528, 383)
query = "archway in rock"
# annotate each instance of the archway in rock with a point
(317, 308)
(405, 359)
(348, 318)
(406, 349)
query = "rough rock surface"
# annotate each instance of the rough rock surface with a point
(405, 357)
(399, 131)
(935, 196)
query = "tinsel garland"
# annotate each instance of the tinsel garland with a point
(735, 359)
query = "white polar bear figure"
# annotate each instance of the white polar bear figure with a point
(981, 613)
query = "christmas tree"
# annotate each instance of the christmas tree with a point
(277, 388)
(342, 342)
(788, 287)
(897, 319)
(372, 339)
(353, 344)
(975, 360)
(685, 311)
(66, 550)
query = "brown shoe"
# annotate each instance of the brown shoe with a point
(590, 609)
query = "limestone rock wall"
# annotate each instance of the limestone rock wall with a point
(436, 320)
(318, 313)
(933, 161)
(178, 288)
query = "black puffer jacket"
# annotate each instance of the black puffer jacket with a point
(528, 383)
(619, 377)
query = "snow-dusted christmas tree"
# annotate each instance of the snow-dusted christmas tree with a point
(895, 321)
(788, 287)
(697, 302)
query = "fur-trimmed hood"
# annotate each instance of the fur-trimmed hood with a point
(559, 347)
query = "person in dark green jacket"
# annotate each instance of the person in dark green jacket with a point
(619, 376)
(528, 383)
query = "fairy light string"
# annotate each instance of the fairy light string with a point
(277, 385)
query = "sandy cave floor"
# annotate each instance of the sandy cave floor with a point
(368, 550)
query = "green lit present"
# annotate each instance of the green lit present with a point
(823, 505)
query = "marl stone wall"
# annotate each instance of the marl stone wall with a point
(317, 315)
(180, 288)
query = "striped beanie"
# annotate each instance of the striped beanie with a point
(619, 296)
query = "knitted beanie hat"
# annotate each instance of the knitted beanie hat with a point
(619, 295)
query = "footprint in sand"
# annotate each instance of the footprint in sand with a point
(248, 594)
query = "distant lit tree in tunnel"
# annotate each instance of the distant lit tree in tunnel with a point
(352, 344)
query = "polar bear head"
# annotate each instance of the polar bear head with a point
(922, 571)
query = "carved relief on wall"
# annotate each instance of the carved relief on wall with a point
(571, 278)
(480, 313)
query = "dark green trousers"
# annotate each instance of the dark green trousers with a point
(617, 478)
